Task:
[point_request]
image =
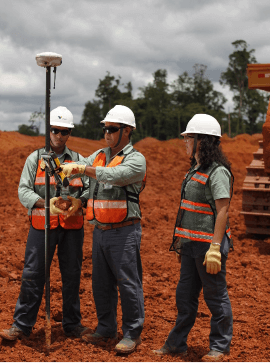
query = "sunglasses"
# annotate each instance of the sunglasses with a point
(111, 129)
(63, 132)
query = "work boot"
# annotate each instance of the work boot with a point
(213, 356)
(97, 338)
(77, 332)
(127, 345)
(13, 333)
(165, 350)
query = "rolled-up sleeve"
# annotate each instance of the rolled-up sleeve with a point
(85, 179)
(26, 192)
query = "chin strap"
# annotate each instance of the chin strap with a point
(194, 145)
(120, 137)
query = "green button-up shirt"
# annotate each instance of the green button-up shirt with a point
(29, 193)
(129, 174)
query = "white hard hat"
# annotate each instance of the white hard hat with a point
(203, 124)
(61, 116)
(122, 115)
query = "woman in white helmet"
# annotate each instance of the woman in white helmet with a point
(202, 239)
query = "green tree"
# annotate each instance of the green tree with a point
(250, 104)
(195, 94)
(254, 108)
(89, 126)
(154, 108)
(27, 130)
(35, 122)
(109, 94)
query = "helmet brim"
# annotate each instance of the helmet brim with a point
(62, 124)
(199, 133)
(117, 122)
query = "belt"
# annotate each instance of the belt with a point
(118, 225)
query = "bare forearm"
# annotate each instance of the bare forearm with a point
(220, 226)
(222, 206)
(40, 203)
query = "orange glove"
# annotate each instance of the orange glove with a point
(72, 168)
(53, 208)
(212, 259)
(75, 205)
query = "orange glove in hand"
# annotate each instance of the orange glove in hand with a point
(53, 208)
(212, 260)
(75, 205)
(72, 168)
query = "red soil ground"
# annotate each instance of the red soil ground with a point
(248, 271)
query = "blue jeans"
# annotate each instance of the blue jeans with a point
(117, 262)
(70, 244)
(192, 279)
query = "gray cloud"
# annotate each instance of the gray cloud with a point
(132, 40)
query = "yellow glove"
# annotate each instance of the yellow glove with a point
(212, 259)
(75, 205)
(178, 257)
(53, 208)
(72, 168)
(42, 164)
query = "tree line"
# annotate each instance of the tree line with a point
(162, 110)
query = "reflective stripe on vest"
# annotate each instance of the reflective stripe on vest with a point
(200, 177)
(106, 211)
(37, 219)
(38, 214)
(196, 202)
(40, 177)
(228, 232)
(193, 235)
(196, 207)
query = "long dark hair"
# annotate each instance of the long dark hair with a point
(210, 151)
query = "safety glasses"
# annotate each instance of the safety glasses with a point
(112, 129)
(63, 132)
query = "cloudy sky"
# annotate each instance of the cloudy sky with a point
(128, 38)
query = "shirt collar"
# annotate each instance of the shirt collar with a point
(66, 151)
(126, 149)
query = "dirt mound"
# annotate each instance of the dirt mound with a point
(248, 273)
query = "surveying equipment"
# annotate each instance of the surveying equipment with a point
(53, 164)
(48, 60)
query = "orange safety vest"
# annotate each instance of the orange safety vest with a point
(110, 210)
(37, 217)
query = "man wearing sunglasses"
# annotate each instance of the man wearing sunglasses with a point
(65, 233)
(117, 178)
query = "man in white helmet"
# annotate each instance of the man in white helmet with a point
(202, 240)
(117, 177)
(65, 233)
